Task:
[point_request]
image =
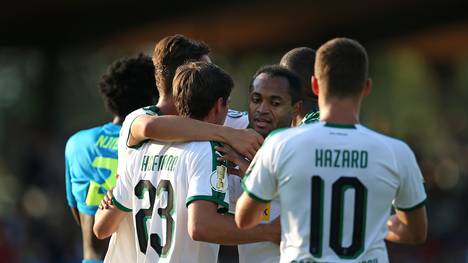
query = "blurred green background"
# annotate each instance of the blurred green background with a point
(52, 54)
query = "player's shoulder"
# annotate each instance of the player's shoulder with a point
(398, 146)
(237, 119)
(282, 135)
(83, 137)
(151, 110)
(197, 147)
(196, 152)
(201, 147)
(236, 114)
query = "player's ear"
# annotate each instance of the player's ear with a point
(220, 105)
(367, 87)
(315, 86)
(297, 108)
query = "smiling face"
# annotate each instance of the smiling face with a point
(270, 104)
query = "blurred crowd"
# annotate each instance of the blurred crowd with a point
(423, 103)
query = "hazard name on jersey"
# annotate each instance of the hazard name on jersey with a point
(341, 158)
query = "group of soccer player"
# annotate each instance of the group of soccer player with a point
(172, 181)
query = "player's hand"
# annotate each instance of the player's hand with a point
(234, 157)
(244, 141)
(106, 203)
(276, 230)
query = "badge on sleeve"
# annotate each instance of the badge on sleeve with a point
(218, 179)
(266, 213)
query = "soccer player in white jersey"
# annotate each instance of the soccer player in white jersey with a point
(160, 122)
(337, 179)
(274, 100)
(169, 53)
(175, 190)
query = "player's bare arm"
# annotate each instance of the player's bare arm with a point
(93, 247)
(107, 218)
(206, 224)
(408, 227)
(177, 128)
(248, 212)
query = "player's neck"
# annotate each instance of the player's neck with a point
(211, 118)
(166, 105)
(341, 111)
(117, 120)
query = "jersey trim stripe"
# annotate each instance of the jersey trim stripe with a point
(138, 145)
(149, 110)
(208, 198)
(340, 126)
(120, 206)
(214, 160)
(251, 195)
(409, 209)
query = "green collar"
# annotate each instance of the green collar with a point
(340, 125)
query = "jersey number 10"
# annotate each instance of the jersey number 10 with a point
(339, 188)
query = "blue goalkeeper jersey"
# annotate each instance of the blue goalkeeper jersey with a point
(91, 166)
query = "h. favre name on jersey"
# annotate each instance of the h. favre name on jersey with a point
(158, 163)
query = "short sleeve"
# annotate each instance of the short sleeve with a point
(125, 149)
(68, 174)
(78, 173)
(208, 178)
(122, 193)
(411, 193)
(260, 182)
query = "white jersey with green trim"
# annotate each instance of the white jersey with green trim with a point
(261, 252)
(124, 149)
(336, 185)
(158, 183)
(121, 247)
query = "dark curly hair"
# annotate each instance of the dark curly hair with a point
(129, 84)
